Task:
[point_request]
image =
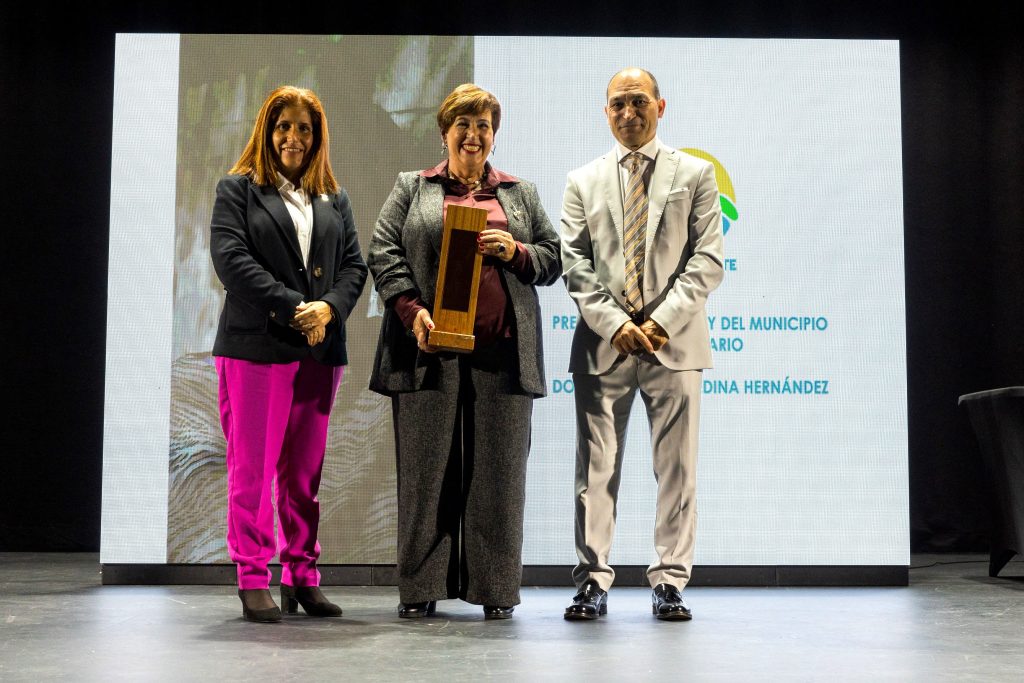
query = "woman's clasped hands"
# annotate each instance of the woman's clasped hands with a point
(311, 319)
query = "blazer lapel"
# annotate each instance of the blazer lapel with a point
(274, 205)
(661, 182)
(431, 207)
(322, 216)
(613, 193)
(513, 212)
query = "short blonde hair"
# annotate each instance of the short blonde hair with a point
(468, 99)
(257, 160)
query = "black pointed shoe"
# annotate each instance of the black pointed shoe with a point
(496, 612)
(312, 599)
(590, 603)
(667, 603)
(415, 610)
(258, 606)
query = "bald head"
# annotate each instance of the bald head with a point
(635, 73)
(633, 106)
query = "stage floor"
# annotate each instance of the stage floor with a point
(952, 623)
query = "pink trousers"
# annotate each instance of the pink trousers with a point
(275, 419)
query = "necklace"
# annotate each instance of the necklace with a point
(471, 184)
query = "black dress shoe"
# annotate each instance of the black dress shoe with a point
(590, 603)
(311, 598)
(496, 612)
(258, 606)
(667, 603)
(415, 610)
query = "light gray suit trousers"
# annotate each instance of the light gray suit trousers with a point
(683, 264)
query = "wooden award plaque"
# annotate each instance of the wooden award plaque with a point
(458, 279)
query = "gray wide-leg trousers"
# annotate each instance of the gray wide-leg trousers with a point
(462, 445)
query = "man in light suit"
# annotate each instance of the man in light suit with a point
(641, 251)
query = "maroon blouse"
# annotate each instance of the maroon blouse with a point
(494, 317)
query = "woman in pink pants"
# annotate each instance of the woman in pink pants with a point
(284, 245)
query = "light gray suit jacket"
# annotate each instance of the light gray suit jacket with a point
(683, 258)
(404, 255)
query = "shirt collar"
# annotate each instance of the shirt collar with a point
(285, 185)
(650, 150)
(493, 177)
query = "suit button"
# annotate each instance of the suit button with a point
(273, 314)
(318, 271)
(301, 269)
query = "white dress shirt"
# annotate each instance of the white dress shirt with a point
(300, 208)
(649, 152)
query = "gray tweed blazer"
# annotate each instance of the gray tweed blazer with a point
(404, 255)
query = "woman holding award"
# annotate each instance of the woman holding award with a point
(462, 420)
(284, 245)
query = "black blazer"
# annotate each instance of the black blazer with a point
(256, 255)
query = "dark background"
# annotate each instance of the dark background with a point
(962, 74)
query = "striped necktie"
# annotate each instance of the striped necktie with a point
(635, 235)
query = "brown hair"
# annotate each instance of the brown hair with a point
(257, 160)
(468, 99)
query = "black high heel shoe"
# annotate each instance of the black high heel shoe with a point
(498, 612)
(415, 610)
(312, 599)
(255, 608)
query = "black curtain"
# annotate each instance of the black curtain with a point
(963, 140)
